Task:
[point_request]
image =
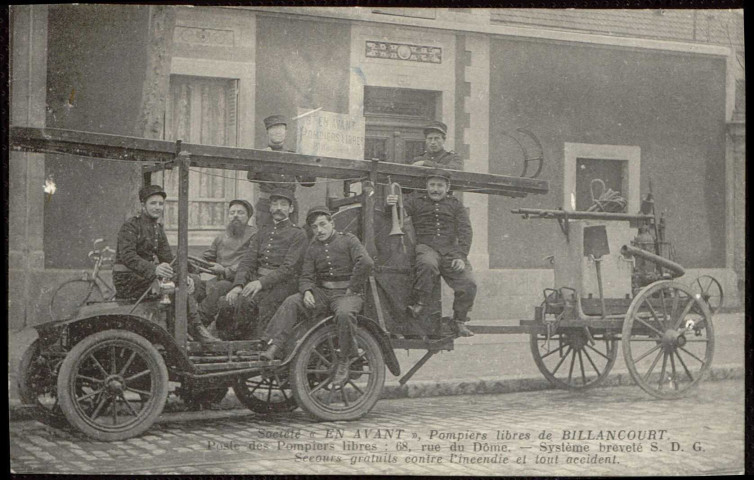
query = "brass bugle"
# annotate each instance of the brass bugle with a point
(397, 217)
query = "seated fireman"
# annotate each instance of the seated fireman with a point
(335, 270)
(224, 255)
(443, 240)
(266, 274)
(143, 254)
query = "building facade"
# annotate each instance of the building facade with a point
(637, 108)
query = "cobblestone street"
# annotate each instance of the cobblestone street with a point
(414, 436)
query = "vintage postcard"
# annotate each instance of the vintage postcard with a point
(376, 241)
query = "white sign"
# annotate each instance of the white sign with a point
(329, 134)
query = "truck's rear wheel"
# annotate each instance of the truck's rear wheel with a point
(312, 372)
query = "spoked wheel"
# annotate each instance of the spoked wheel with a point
(266, 393)
(70, 296)
(570, 361)
(668, 339)
(313, 368)
(113, 385)
(710, 290)
(37, 375)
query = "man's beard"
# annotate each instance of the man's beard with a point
(235, 228)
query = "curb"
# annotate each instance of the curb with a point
(419, 389)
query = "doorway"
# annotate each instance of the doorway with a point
(395, 119)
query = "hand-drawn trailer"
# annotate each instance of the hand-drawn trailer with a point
(106, 368)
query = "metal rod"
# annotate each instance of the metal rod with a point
(181, 296)
(416, 367)
(560, 214)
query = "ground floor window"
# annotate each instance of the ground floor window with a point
(201, 110)
(617, 167)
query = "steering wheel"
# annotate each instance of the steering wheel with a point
(200, 264)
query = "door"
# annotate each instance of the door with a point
(201, 110)
(395, 119)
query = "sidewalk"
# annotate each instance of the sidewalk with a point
(480, 364)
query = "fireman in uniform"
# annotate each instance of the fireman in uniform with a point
(276, 128)
(333, 278)
(435, 155)
(266, 274)
(443, 240)
(143, 255)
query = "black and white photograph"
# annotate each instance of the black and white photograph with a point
(376, 240)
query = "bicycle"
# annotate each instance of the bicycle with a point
(71, 295)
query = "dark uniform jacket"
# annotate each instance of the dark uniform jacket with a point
(278, 247)
(443, 225)
(341, 257)
(140, 240)
(441, 159)
(275, 181)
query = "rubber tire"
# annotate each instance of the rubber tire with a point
(159, 387)
(257, 405)
(300, 383)
(26, 390)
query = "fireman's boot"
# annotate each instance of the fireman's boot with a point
(200, 333)
(459, 321)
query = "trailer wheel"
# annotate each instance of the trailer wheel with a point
(710, 290)
(314, 366)
(668, 339)
(570, 361)
(36, 386)
(266, 393)
(113, 385)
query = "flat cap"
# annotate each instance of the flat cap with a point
(436, 127)
(244, 204)
(282, 193)
(438, 173)
(273, 120)
(318, 210)
(149, 190)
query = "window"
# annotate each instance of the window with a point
(395, 119)
(201, 110)
(616, 165)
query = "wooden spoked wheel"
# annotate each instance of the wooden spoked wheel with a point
(113, 385)
(37, 382)
(570, 359)
(314, 366)
(668, 339)
(710, 290)
(266, 393)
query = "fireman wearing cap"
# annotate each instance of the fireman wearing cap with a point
(143, 254)
(224, 255)
(276, 128)
(266, 274)
(435, 154)
(333, 277)
(443, 240)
